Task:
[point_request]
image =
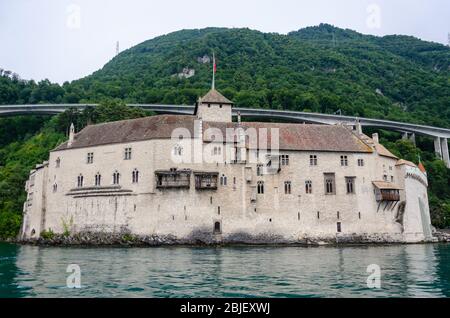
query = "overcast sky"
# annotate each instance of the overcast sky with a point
(63, 40)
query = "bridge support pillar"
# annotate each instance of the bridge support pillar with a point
(413, 138)
(409, 136)
(437, 147)
(445, 154)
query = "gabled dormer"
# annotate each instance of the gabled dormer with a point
(214, 107)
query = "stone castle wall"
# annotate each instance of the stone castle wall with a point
(142, 209)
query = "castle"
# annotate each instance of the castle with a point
(205, 177)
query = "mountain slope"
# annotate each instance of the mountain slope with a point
(319, 69)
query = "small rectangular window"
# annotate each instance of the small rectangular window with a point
(90, 158)
(127, 154)
(360, 162)
(344, 161)
(339, 227)
(313, 160)
(285, 160)
(259, 170)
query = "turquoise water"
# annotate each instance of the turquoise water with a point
(406, 271)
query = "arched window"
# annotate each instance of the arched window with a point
(98, 179)
(223, 180)
(80, 181)
(308, 186)
(261, 187)
(58, 162)
(135, 176)
(287, 187)
(116, 177)
(330, 183)
(55, 187)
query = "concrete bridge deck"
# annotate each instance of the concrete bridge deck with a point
(440, 135)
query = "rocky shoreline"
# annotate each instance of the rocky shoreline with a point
(442, 236)
(206, 239)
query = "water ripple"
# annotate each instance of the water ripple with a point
(406, 271)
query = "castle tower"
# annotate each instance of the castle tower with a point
(214, 107)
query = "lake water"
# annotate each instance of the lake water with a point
(406, 271)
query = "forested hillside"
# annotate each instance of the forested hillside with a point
(319, 69)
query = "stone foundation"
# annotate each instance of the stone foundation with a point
(200, 238)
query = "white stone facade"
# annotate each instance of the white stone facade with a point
(293, 207)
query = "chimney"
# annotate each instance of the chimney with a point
(71, 135)
(359, 127)
(376, 139)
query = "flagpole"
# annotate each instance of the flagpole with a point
(214, 72)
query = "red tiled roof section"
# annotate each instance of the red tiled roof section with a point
(382, 151)
(422, 168)
(292, 136)
(155, 127)
(304, 137)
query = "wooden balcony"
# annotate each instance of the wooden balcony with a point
(388, 195)
(206, 180)
(173, 179)
(386, 191)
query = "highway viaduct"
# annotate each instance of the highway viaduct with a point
(440, 135)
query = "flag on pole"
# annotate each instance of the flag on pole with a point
(214, 72)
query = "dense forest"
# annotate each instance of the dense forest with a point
(317, 69)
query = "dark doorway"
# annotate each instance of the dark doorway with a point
(217, 228)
